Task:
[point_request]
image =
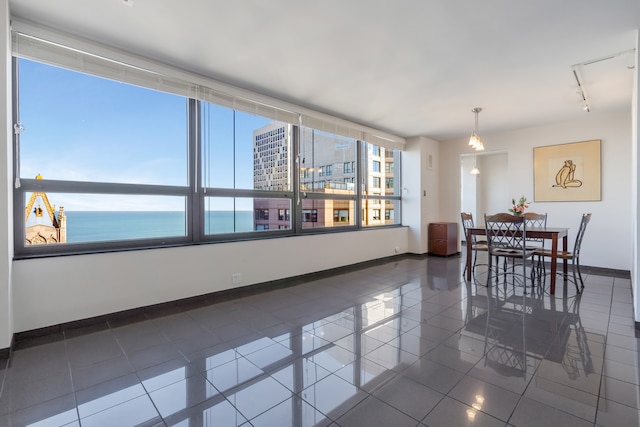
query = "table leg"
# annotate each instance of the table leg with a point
(554, 260)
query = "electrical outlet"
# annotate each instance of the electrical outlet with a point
(236, 278)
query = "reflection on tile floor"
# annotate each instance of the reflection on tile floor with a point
(403, 343)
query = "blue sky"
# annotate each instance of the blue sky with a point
(79, 127)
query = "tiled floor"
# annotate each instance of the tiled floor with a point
(405, 343)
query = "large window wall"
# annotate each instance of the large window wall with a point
(110, 164)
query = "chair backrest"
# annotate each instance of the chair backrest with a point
(504, 230)
(535, 220)
(583, 226)
(467, 222)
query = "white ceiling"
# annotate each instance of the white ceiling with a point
(409, 67)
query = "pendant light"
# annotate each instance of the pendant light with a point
(475, 141)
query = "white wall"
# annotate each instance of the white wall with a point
(421, 191)
(54, 290)
(494, 188)
(635, 158)
(6, 224)
(612, 217)
(487, 191)
(469, 186)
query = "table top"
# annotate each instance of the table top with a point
(537, 232)
(548, 230)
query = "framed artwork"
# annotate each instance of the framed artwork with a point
(567, 172)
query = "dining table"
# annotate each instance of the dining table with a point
(555, 234)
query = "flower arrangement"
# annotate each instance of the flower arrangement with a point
(518, 208)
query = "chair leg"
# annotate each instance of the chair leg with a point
(575, 279)
(489, 271)
(576, 266)
(473, 265)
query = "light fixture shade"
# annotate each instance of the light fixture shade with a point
(475, 141)
(475, 171)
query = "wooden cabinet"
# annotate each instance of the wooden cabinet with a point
(443, 238)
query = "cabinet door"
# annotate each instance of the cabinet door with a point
(438, 231)
(438, 247)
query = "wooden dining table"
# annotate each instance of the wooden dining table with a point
(547, 233)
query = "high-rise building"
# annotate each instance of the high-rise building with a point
(271, 148)
(326, 164)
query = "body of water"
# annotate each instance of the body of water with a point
(92, 226)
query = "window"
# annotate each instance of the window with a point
(375, 196)
(262, 214)
(388, 183)
(327, 213)
(144, 163)
(309, 215)
(340, 215)
(118, 133)
(318, 150)
(283, 214)
(115, 172)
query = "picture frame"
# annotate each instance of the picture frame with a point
(567, 172)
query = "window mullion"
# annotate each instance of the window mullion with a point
(195, 199)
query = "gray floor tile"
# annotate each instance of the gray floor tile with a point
(408, 396)
(433, 375)
(621, 392)
(58, 411)
(293, 412)
(372, 411)
(485, 397)
(382, 345)
(450, 412)
(530, 413)
(135, 412)
(613, 414)
(258, 396)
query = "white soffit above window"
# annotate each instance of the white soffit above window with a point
(31, 41)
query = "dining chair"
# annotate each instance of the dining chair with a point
(573, 256)
(476, 244)
(506, 238)
(538, 221)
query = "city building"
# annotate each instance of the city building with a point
(43, 229)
